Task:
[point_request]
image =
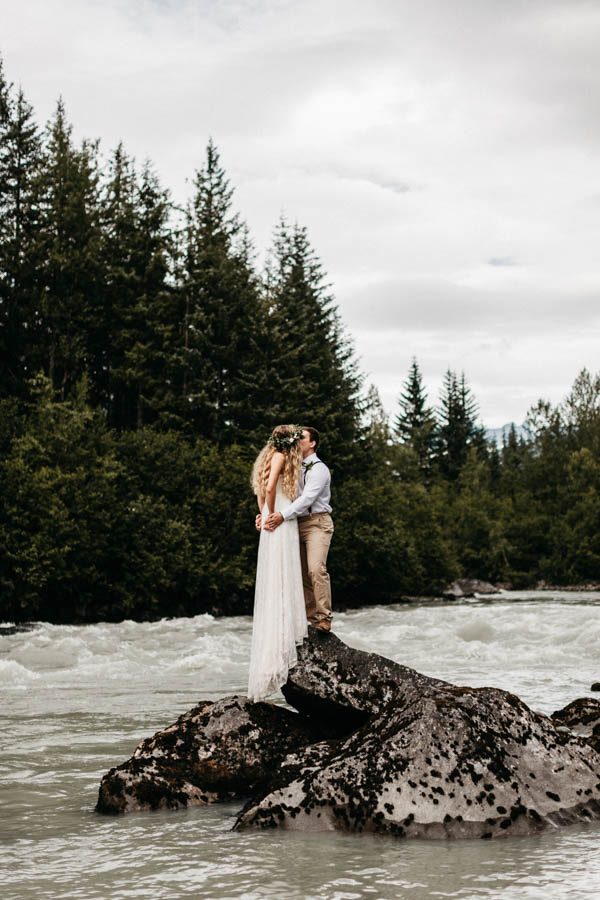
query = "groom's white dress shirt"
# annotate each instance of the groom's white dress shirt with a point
(316, 490)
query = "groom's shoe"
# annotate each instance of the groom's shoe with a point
(323, 625)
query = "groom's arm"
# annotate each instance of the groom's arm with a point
(315, 482)
(312, 488)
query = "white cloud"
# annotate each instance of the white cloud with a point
(443, 156)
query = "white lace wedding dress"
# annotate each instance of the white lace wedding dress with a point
(279, 614)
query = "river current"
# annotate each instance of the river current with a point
(77, 699)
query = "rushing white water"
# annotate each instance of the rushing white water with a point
(76, 700)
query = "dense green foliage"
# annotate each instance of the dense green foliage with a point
(143, 361)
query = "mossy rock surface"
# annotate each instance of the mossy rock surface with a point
(464, 762)
(217, 751)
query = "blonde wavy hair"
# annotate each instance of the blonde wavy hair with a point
(291, 467)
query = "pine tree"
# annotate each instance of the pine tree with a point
(121, 289)
(315, 379)
(458, 429)
(6, 124)
(513, 457)
(377, 428)
(580, 412)
(223, 315)
(138, 330)
(20, 149)
(415, 423)
(71, 284)
(8, 366)
(158, 315)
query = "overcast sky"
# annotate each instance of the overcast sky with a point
(444, 155)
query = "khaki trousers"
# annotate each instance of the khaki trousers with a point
(315, 537)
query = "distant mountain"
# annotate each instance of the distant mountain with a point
(496, 435)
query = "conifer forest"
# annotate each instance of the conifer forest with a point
(144, 360)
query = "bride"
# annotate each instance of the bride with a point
(279, 612)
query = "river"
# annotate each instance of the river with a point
(77, 699)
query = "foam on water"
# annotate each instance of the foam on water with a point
(14, 674)
(76, 700)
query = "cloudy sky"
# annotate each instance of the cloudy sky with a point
(442, 153)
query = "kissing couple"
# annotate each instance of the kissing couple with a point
(293, 490)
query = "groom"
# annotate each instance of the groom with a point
(313, 511)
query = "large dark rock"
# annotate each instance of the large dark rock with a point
(375, 746)
(216, 751)
(336, 683)
(582, 717)
(428, 760)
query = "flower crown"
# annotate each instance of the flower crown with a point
(285, 442)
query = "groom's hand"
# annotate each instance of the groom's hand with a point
(274, 520)
(258, 522)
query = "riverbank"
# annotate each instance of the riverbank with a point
(244, 608)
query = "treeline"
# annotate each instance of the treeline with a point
(144, 359)
(525, 512)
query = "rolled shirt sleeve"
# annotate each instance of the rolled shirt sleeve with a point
(317, 483)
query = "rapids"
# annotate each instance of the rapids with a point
(77, 699)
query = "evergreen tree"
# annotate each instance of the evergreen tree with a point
(546, 468)
(580, 412)
(415, 423)
(20, 149)
(315, 380)
(221, 352)
(515, 451)
(5, 98)
(6, 122)
(139, 327)
(71, 282)
(377, 429)
(139, 333)
(120, 291)
(458, 429)
(475, 521)
(576, 556)
(158, 314)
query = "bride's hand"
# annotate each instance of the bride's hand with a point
(258, 522)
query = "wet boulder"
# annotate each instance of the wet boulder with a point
(216, 751)
(425, 758)
(374, 746)
(582, 717)
(462, 762)
(339, 684)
